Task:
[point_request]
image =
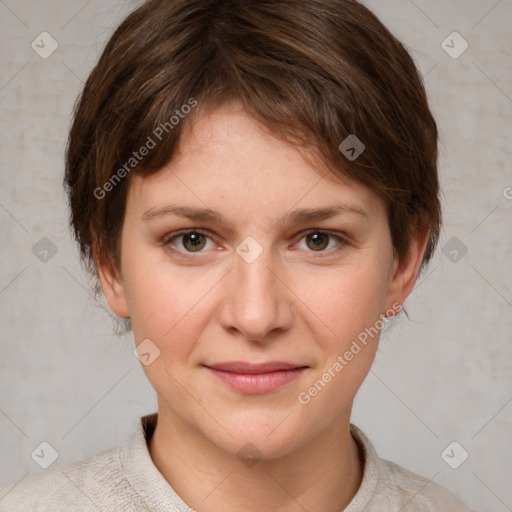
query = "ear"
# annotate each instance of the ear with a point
(405, 271)
(113, 288)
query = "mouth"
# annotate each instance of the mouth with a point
(250, 378)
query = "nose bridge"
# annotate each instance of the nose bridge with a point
(255, 269)
(255, 303)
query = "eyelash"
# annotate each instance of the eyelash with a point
(190, 255)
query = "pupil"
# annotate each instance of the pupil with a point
(194, 239)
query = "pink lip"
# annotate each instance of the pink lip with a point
(256, 378)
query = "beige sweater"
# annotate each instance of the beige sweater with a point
(124, 479)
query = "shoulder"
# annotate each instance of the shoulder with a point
(388, 487)
(81, 485)
(415, 493)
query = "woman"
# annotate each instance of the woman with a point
(254, 185)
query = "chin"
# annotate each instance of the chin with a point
(268, 435)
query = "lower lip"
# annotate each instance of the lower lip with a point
(257, 383)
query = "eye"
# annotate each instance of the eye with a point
(318, 240)
(195, 240)
(192, 241)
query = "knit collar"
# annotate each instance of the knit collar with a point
(158, 495)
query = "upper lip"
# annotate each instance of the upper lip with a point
(252, 368)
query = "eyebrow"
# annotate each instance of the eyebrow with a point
(296, 216)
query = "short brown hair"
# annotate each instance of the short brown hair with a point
(313, 71)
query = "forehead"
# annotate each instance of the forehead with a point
(229, 162)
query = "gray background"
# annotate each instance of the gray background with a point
(442, 376)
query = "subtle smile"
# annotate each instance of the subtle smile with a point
(256, 378)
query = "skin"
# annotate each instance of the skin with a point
(296, 302)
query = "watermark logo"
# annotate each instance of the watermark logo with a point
(249, 455)
(352, 147)
(454, 455)
(44, 45)
(454, 45)
(44, 250)
(454, 249)
(44, 455)
(146, 352)
(249, 249)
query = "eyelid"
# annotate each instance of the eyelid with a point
(181, 232)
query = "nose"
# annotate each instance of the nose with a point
(256, 303)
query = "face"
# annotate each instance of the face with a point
(247, 308)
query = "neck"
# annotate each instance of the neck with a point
(323, 474)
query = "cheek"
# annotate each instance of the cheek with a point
(343, 302)
(168, 309)
(342, 315)
(167, 304)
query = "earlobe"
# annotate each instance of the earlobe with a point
(405, 271)
(113, 289)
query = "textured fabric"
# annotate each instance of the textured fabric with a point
(124, 478)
